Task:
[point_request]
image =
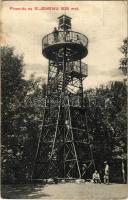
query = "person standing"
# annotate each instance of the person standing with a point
(55, 33)
(106, 173)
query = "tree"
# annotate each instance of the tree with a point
(124, 60)
(107, 124)
(22, 111)
(12, 85)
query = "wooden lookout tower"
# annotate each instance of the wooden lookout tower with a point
(64, 148)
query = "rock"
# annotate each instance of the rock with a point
(50, 180)
(62, 181)
(80, 181)
(44, 180)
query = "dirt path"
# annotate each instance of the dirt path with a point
(86, 191)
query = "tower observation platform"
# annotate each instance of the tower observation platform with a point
(64, 148)
(70, 39)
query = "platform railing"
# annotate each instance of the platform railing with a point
(64, 36)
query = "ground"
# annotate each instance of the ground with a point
(86, 191)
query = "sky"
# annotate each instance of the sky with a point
(103, 22)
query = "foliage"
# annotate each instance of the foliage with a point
(21, 117)
(108, 118)
(12, 86)
(124, 60)
(107, 122)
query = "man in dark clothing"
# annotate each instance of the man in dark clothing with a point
(55, 33)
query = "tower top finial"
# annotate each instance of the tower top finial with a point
(64, 22)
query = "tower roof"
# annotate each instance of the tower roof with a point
(64, 22)
(64, 16)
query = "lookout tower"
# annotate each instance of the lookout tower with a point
(64, 148)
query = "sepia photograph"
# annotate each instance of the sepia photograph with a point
(64, 100)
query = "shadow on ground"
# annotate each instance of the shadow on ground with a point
(27, 191)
